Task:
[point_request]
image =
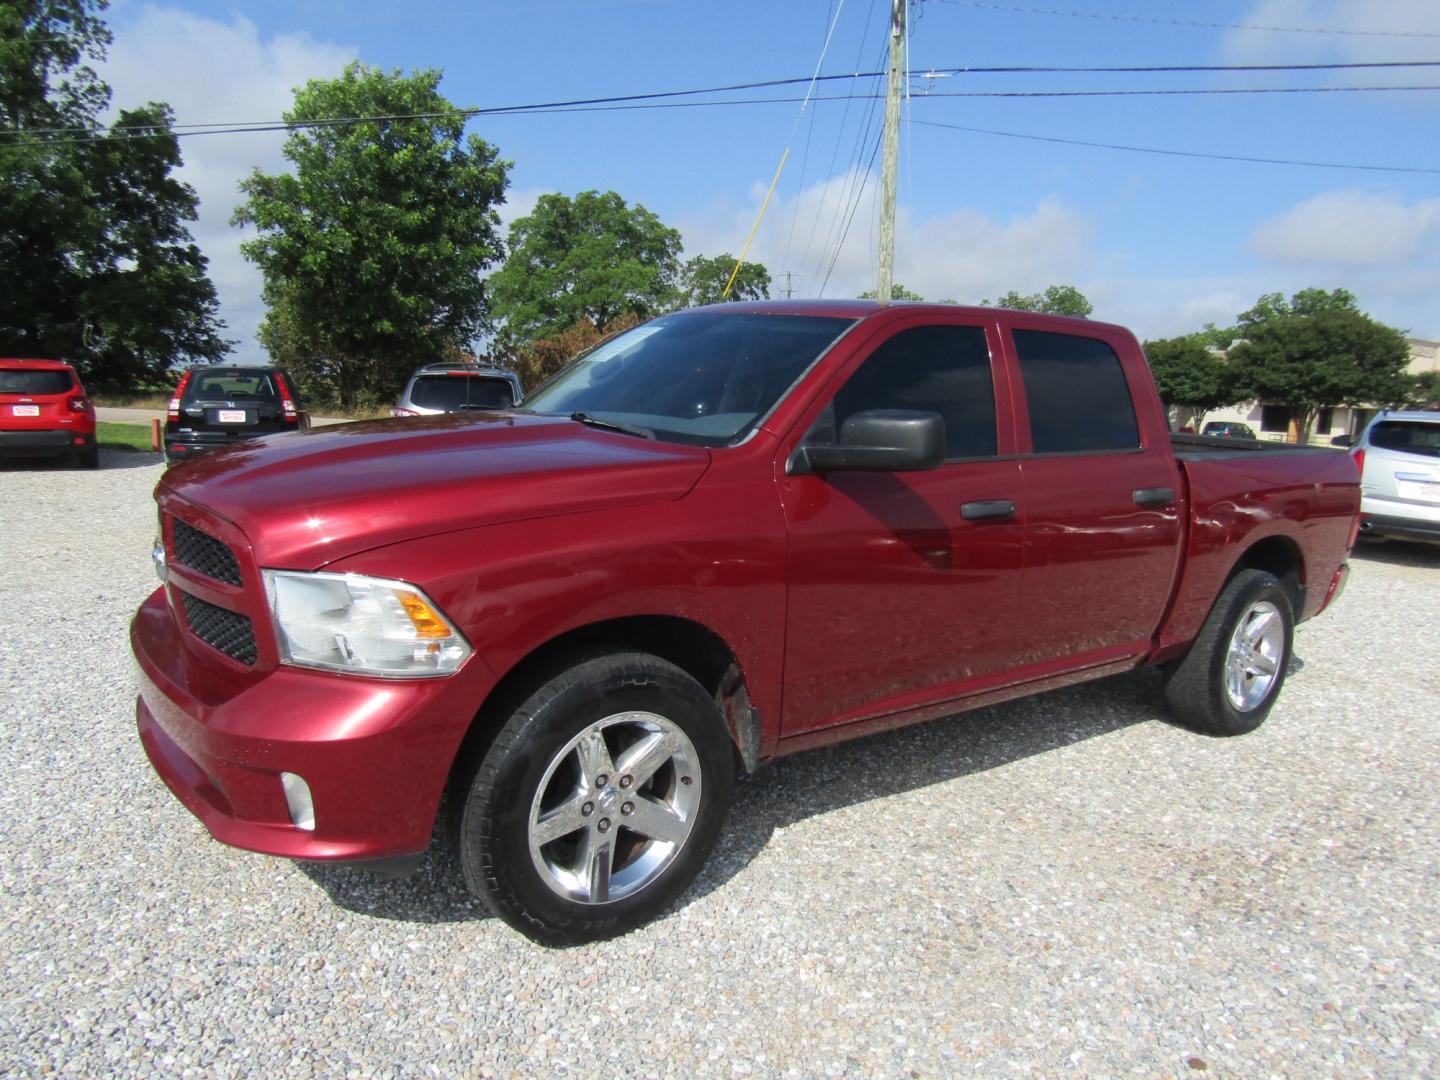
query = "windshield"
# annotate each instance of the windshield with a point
(459, 390)
(33, 381)
(695, 377)
(1408, 436)
(232, 385)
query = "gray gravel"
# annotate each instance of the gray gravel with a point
(1066, 885)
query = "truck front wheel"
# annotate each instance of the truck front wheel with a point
(1229, 680)
(599, 800)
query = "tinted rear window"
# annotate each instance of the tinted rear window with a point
(454, 392)
(1410, 436)
(28, 381)
(1078, 397)
(231, 386)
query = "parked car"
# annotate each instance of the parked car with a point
(443, 388)
(45, 412)
(727, 535)
(1399, 455)
(1228, 429)
(224, 403)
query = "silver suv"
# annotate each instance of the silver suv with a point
(1399, 457)
(443, 388)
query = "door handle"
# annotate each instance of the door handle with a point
(1154, 496)
(988, 510)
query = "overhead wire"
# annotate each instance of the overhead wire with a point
(1190, 23)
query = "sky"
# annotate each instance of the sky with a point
(1162, 243)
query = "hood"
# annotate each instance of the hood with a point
(306, 498)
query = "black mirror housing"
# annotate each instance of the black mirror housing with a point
(878, 440)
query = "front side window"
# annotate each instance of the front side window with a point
(697, 377)
(1077, 394)
(940, 369)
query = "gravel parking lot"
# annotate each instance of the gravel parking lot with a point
(1065, 885)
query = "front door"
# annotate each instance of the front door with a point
(897, 594)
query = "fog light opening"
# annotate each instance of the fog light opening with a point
(297, 798)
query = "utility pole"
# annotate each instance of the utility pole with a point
(789, 292)
(894, 88)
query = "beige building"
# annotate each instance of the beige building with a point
(1274, 423)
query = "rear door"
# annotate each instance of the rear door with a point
(231, 403)
(896, 596)
(35, 398)
(1102, 496)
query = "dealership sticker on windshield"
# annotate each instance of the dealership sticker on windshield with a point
(231, 416)
(24, 410)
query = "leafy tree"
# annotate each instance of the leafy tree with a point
(897, 292)
(591, 258)
(97, 265)
(1190, 375)
(536, 361)
(1055, 300)
(1424, 391)
(373, 248)
(702, 281)
(1317, 350)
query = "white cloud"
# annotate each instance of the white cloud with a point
(964, 255)
(215, 72)
(1393, 30)
(1352, 228)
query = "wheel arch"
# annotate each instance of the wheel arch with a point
(691, 646)
(1281, 556)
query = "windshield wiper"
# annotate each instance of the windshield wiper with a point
(611, 425)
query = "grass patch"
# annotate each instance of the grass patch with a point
(137, 400)
(122, 436)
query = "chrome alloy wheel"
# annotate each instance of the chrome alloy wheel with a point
(614, 808)
(1257, 648)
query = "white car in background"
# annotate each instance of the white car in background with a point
(1399, 457)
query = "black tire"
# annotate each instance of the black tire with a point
(1196, 686)
(535, 770)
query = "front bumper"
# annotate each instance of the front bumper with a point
(375, 753)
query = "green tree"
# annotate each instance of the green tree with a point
(897, 292)
(1424, 391)
(374, 246)
(1055, 300)
(1317, 350)
(1190, 375)
(703, 280)
(587, 259)
(97, 265)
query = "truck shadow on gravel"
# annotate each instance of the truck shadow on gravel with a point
(110, 461)
(806, 785)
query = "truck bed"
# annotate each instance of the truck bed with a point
(1209, 448)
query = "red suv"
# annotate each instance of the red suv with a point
(44, 411)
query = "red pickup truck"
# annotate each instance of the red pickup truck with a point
(724, 536)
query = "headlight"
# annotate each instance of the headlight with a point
(370, 626)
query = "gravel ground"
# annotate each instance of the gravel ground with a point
(1066, 885)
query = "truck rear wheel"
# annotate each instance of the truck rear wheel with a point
(599, 801)
(1229, 680)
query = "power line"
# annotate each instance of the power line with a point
(1177, 153)
(555, 106)
(1192, 23)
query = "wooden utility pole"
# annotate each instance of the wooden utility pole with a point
(893, 90)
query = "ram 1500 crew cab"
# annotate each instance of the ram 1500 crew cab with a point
(724, 536)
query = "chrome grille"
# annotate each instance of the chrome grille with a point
(226, 630)
(204, 554)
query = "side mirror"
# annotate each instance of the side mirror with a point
(1342, 440)
(878, 440)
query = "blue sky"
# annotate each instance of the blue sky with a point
(1160, 243)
